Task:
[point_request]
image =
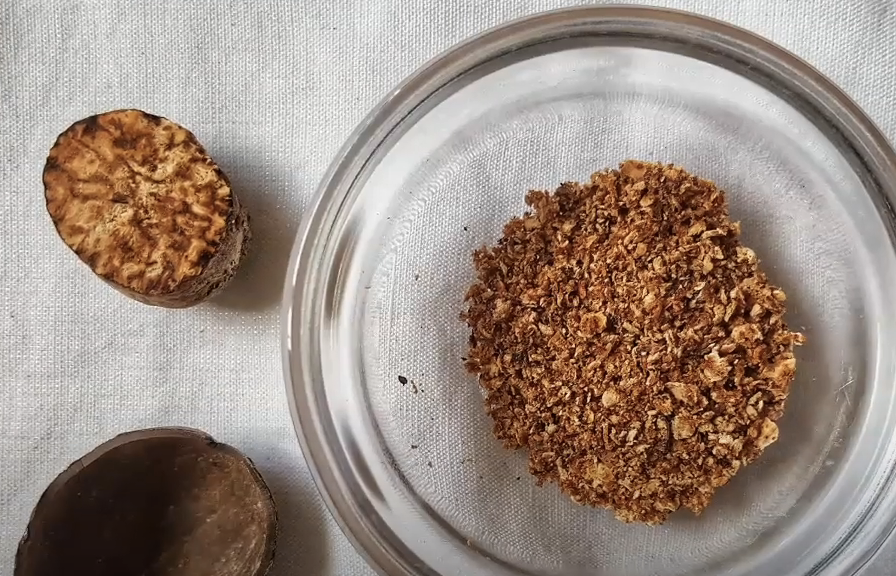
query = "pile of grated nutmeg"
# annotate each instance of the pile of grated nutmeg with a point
(625, 338)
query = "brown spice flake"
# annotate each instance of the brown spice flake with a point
(629, 342)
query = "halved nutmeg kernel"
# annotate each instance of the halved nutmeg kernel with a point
(139, 200)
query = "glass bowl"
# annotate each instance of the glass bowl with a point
(395, 430)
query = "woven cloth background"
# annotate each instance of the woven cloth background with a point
(272, 89)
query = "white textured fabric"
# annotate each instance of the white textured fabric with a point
(272, 89)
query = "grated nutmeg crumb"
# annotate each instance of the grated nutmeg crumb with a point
(626, 339)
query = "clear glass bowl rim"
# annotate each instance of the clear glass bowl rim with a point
(749, 55)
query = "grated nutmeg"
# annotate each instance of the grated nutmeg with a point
(629, 342)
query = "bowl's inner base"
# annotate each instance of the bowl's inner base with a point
(462, 171)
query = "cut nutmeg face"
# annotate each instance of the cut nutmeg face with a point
(138, 199)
